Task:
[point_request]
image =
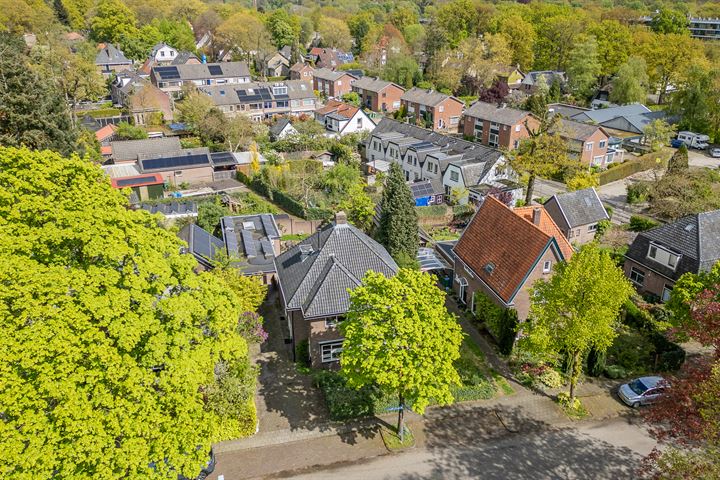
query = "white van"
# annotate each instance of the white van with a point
(694, 140)
(156, 134)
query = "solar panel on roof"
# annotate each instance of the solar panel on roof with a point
(249, 244)
(268, 225)
(136, 182)
(223, 158)
(422, 189)
(215, 69)
(174, 162)
(205, 244)
(168, 73)
(267, 247)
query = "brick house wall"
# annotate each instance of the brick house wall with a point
(592, 149)
(384, 100)
(315, 332)
(335, 89)
(521, 302)
(580, 235)
(654, 283)
(451, 109)
(508, 135)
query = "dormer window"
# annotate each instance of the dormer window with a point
(663, 256)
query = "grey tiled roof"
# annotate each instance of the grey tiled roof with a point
(111, 55)
(493, 113)
(126, 150)
(581, 207)
(533, 77)
(317, 283)
(183, 57)
(696, 238)
(422, 96)
(249, 242)
(330, 75)
(372, 84)
(279, 126)
(604, 114)
(574, 130)
(199, 71)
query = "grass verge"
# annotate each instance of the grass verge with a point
(392, 439)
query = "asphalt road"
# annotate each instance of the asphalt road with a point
(596, 450)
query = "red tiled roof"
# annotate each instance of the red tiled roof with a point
(508, 240)
(106, 150)
(316, 50)
(334, 106)
(105, 132)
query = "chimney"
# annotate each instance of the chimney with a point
(340, 218)
(536, 215)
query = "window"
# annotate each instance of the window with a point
(330, 351)
(396, 104)
(308, 102)
(547, 266)
(571, 233)
(441, 108)
(339, 83)
(602, 144)
(597, 160)
(493, 139)
(281, 90)
(667, 290)
(516, 144)
(637, 276)
(359, 123)
(663, 256)
(517, 128)
(454, 176)
(162, 53)
(479, 129)
(589, 146)
(592, 228)
(332, 322)
(281, 104)
(454, 120)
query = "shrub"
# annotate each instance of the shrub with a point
(302, 353)
(641, 224)
(342, 401)
(627, 168)
(615, 372)
(500, 322)
(563, 399)
(637, 192)
(551, 378)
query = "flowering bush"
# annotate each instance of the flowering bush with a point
(250, 326)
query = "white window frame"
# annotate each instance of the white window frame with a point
(441, 108)
(330, 351)
(638, 274)
(454, 174)
(547, 266)
(589, 146)
(517, 127)
(592, 228)
(602, 143)
(666, 292)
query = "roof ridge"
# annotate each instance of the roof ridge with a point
(355, 231)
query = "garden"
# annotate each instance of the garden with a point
(478, 382)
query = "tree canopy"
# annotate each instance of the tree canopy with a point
(110, 339)
(400, 337)
(398, 229)
(577, 308)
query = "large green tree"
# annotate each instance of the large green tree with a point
(32, 110)
(577, 309)
(284, 28)
(400, 337)
(584, 67)
(111, 342)
(398, 219)
(697, 101)
(670, 21)
(112, 21)
(630, 85)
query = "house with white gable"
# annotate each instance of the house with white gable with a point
(465, 171)
(341, 118)
(163, 54)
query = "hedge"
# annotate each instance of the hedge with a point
(626, 169)
(669, 355)
(285, 201)
(500, 322)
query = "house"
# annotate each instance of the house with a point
(110, 59)
(201, 244)
(190, 166)
(503, 251)
(341, 118)
(587, 143)
(498, 126)
(279, 64)
(141, 98)
(170, 79)
(565, 110)
(281, 129)
(244, 161)
(533, 80)
(453, 165)
(263, 100)
(252, 242)
(172, 210)
(577, 214)
(437, 111)
(302, 71)
(658, 257)
(331, 58)
(509, 76)
(378, 95)
(332, 84)
(315, 277)
(180, 58)
(128, 151)
(603, 115)
(163, 54)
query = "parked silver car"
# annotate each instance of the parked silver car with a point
(642, 391)
(715, 153)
